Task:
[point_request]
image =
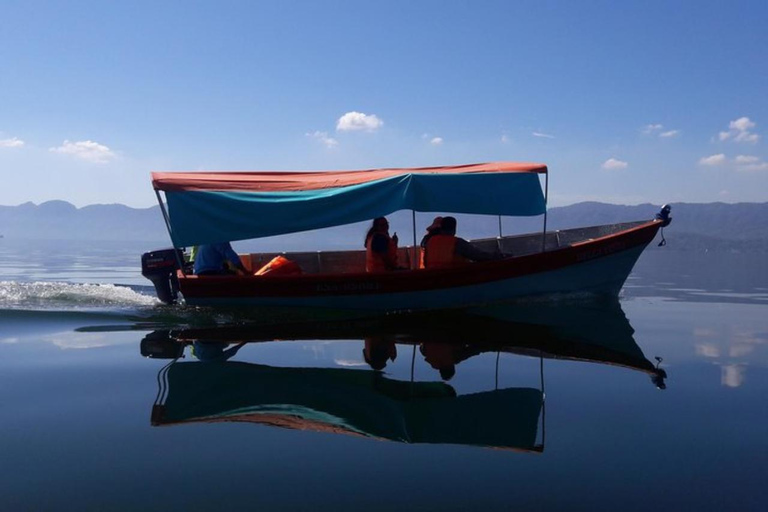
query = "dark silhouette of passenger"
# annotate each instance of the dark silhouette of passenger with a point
(380, 248)
(432, 230)
(214, 351)
(217, 259)
(445, 250)
(378, 350)
(444, 357)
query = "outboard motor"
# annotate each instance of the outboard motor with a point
(160, 267)
(160, 345)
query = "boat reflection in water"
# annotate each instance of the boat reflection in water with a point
(369, 403)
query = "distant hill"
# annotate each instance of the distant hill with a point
(739, 221)
(698, 226)
(56, 220)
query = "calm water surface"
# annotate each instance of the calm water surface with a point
(553, 405)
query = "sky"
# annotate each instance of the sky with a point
(627, 102)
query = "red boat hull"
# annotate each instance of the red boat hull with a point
(596, 266)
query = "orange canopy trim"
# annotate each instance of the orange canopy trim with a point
(293, 181)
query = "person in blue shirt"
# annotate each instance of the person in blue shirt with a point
(217, 259)
(214, 352)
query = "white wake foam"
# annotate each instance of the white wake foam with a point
(52, 294)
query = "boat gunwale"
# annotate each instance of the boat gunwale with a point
(410, 280)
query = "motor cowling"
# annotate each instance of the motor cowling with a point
(161, 345)
(160, 267)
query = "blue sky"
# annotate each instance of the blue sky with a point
(627, 102)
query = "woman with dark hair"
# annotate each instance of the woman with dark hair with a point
(380, 248)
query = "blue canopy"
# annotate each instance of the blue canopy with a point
(218, 207)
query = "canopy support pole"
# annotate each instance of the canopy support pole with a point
(546, 195)
(414, 260)
(413, 362)
(500, 235)
(168, 227)
(543, 402)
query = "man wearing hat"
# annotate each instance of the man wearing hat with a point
(443, 249)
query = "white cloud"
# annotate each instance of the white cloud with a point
(742, 124)
(86, 150)
(436, 141)
(349, 363)
(543, 135)
(750, 163)
(357, 121)
(613, 164)
(758, 167)
(656, 130)
(13, 142)
(78, 341)
(746, 137)
(713, 160)
(746, 159)
(505, 139)
(746, 163)
(651, 128)
(732, 375)
(323, 137)
(739, 131)
(707, 350)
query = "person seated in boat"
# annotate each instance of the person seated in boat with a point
(444, 357)
(218, 259)
(214, 351)
(378, 350)
(380, 248)
(445, 250)
(432, 230)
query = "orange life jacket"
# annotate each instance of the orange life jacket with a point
(440, 252)
(377, 262)
(438, 355)
(279, 266)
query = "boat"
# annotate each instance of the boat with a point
(374, 404)
(214, 207)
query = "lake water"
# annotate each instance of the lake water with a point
(553, 405)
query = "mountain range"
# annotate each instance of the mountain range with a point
(697, 226)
